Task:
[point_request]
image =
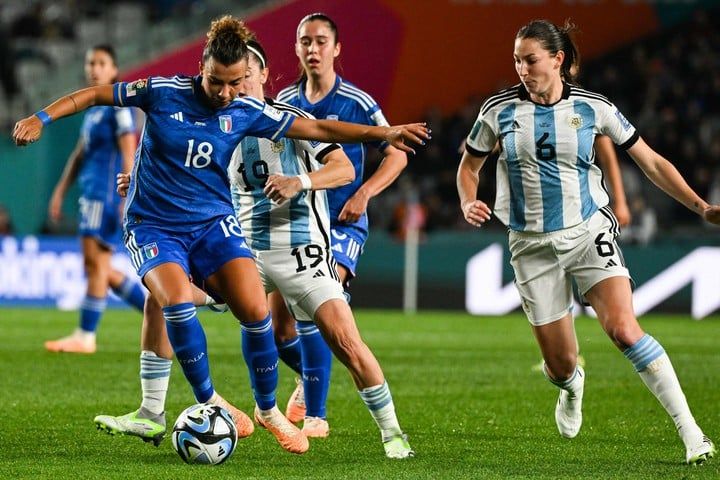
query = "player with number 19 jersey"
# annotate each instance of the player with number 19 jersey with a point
(179, 185)
(291, 240)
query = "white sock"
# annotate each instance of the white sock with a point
(660, 378)
(380, 404)
(573, 385)
(154, 379)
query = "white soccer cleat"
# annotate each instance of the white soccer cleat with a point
(699, 452)
(568, 411)
(398, 448)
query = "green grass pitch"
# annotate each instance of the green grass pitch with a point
(463, 386)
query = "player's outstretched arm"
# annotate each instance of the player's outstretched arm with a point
(343, 132)
(668, 179)
(29, 129)
(475, 211)
(338, 171)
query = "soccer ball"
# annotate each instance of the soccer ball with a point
(204, 434)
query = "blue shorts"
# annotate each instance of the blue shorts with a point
(201, 252)
(101, 221)
(347, 242)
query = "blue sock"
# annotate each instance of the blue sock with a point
(290, 354)
(261, 356)
(132, 293)
(316, 363)
(643, 352)
(188, 341)
(91, 310)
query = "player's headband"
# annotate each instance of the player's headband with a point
(258, 55)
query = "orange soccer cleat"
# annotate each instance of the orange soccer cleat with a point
(287, 434)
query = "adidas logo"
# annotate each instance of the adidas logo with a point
(611, 263)
(177, 116)
(318, 274)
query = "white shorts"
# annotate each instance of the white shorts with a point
(545, 264)
(306, 277)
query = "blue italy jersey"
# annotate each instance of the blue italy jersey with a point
(347, 103)
(101, 157)
(547, 178)
(180, 176)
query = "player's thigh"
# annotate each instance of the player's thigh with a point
(306, 276)
(238, 282)
(283, 321)
(593, 255)
(545, 288)
(169, 284)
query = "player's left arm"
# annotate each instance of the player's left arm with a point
(29, 129)
(337, 171)
(333, 131)
(664, 174)
(389, 169)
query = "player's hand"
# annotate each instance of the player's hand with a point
(399, 135)
(712, 214)
(622, 213)
(27, 131)
(476, 212)
(55, 207)
(280, 188)
(354, 207)
(123, 183)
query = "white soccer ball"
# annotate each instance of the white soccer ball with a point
(204, 434)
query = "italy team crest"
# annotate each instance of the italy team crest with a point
(225, 123)
(151, 250)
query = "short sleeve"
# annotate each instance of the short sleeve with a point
(124, 122)
(269, 122)
(482, 137)
(617, 127)
(133, 94)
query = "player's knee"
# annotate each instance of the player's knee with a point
(625, 333)
(561, 367)
(251, 313)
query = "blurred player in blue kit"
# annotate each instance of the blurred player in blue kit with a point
(106, 147)
(179, 216)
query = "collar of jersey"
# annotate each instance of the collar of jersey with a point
(524, 95)
(330, 94)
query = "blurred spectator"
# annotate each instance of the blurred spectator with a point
(6, 226)
(8, 78)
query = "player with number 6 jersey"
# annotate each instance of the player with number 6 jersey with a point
(550, 195)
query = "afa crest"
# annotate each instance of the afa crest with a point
(278, 147)
(575, 121)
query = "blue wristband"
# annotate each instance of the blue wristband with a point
(44, 117)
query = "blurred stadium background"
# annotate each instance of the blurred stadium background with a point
(421, 60)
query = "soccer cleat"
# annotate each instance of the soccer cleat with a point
(295, 410)
(75, 343)
(243, 424)
(287, 434)
(398, 447)
(699, 453)
(568, 411)
(316, 427)
(149, 430)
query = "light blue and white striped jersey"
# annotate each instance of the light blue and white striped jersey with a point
(302, 220)
(547, 178)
